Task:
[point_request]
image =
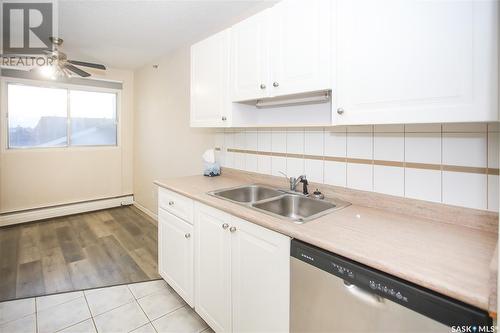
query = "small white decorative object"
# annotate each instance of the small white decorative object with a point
(211, 167)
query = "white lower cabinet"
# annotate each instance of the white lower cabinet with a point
(260, 278)
(212, 267)
(236, 274)
(242, 274)
(175, 254)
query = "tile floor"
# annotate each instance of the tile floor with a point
(140, 307)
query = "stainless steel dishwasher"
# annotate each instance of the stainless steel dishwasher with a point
(330, 293)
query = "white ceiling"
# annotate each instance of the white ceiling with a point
(130, 34)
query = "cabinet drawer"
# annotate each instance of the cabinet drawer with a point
(176, 204)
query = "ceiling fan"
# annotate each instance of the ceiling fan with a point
(62, 66)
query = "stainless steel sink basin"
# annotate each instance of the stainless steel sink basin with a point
(248, 193)
(296, 207)
(284, 204)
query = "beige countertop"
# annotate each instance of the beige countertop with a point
(450, 259)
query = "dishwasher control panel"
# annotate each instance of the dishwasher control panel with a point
(388, 291)
(424, 301)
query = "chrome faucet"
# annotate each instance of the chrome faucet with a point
(295, 181)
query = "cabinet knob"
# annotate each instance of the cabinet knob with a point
(276, 84)
(188, 235)
(340, 111)
(225, 226)
(224, 118)
(170, 203)
(262, 86)
(232, 229)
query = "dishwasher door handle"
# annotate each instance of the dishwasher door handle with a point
(364, 296)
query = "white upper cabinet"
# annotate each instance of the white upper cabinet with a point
(415, 61)
(300, 46)
(210, 62)
(250, 60)
(283, 50)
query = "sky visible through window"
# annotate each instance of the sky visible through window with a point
(38, 117)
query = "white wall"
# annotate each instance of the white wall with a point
(45, 177)
(455, 164)
(164, 144)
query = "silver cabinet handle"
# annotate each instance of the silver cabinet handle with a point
(170, 203)
(188, 235)
(224, 118)
(232, 229)
(262, 86)
(225, 226)
(340, 111)
(276, 84)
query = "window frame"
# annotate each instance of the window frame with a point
(5, 82)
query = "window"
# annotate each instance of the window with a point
(59, 117)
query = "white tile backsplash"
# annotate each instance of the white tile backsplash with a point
(389, 180)
(264, 140)
(278, 164)
(465, 189)
(493, 193)
(335, 173)
(239, 139)
(294, 166)
(389, 146)
(264, 164)
(464, 128)
(335, 143)
(251, 163)
(493, 149)
(423, 148)
(251, 140)
(229, 160)
(423, 184)
(360, 145)
(467, 145)
(295, 141)
(314, 170)
(423, 128)
(360, 176)
(465, 149)
(314, 142)
(239, 161)
(278, 141)
(389, 128)
(360, 129)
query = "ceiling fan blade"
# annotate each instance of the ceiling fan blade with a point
(76, 70)
(87, 64)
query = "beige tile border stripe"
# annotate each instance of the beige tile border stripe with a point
(423, 166)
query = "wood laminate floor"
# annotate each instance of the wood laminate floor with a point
(97, 249)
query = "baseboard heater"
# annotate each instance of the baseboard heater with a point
(43, 213)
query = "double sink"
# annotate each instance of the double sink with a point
(279, 203)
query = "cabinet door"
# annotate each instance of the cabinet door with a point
(176, 264)
(250, 61)
(260, 267)
(210, 62)
(212, 267)
(416, 61)
(301, 46)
